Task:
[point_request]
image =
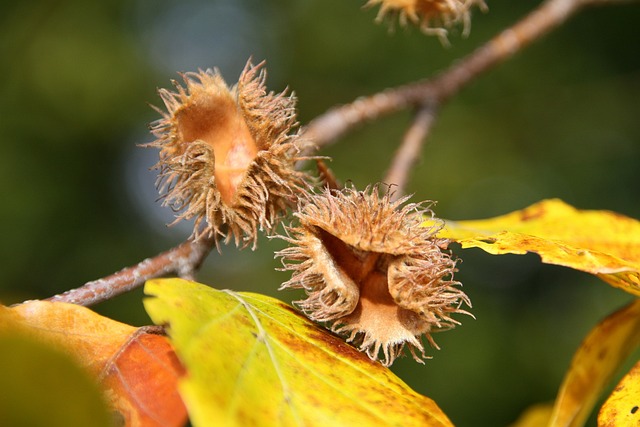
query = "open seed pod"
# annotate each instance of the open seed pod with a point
(432, 16)
(372, 271)
(227, 155)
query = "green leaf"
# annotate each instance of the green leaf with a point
(253, 360)
(603, 243)
(42, 386)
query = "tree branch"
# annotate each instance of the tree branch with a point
(328, 127)
(187, 257)
(409, 151)
(182, 260)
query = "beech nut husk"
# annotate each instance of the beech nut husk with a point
(372, 270)
(433, 17)
(228, 154)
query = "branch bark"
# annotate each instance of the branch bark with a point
(187, 257)
(409, 151)
(182, 260)
(330, 126)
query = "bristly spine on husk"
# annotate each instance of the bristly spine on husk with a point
(228, 155)
(372, 270)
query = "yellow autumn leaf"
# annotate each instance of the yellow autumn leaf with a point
(622, 408)
(253, 360)
(596, 361)
(603, 243)
(535, 416)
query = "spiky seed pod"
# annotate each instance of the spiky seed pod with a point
(228, 154)
(432, 16)
(372, 270)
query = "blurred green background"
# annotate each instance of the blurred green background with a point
(561, 119)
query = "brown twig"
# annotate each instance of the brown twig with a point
(333, 124)
(182, 260)
(327, 177)
(409, 151)
(187, 257)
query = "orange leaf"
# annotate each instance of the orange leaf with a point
(138, 370)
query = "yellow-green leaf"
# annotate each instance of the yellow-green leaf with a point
(603, 243)
(42, 386)
(622, 408)
(253, 360)
(596, 361)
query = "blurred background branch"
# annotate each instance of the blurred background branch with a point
(408, 153)
(329, 127)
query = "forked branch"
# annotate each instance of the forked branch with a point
(330, 126)
(425, 96)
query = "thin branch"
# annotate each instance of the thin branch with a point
(409, 151)
(182, 260)
(187, 257)
(333, 124)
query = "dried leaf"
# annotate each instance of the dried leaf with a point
(596, 361)
(138, 371)
(603, 243)
(622, 408)
(253, 360)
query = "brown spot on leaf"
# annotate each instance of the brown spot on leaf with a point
(602, 354)
(489, 240)
(531, 213)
